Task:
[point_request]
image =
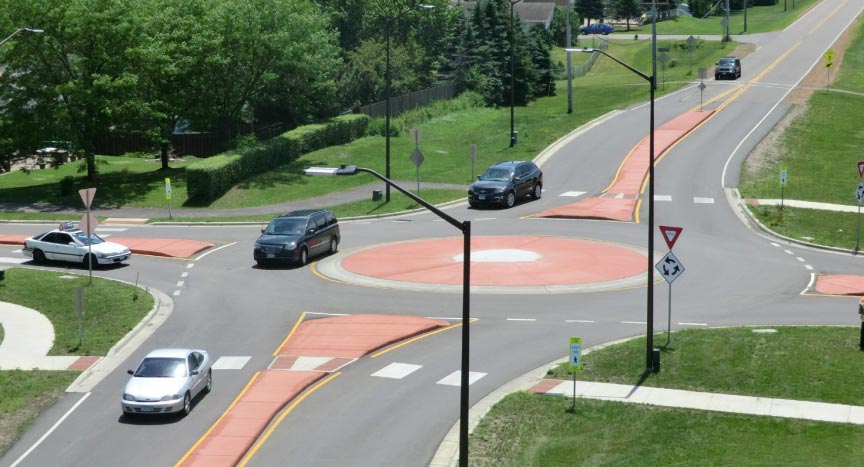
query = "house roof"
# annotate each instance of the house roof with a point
(538, 12)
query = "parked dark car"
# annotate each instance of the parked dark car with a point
(297, 236)
(597, 28)
(505, 182)
(727, 67)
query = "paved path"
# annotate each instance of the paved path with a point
(27, 338)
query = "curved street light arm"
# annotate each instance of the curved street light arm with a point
(10, 36)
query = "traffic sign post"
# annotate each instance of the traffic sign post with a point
(829, 62)
(859, 195)
(89, 222)
(783, 175)
(417, 156)
(168, 195)
(670, 268)
(575, 363)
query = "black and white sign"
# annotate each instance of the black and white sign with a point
(859, 192)
(670, 268)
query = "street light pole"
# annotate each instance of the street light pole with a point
(652, 81)
(512, 74)
(30, 30)
(569, 72)
(465, 228)
(387, 111)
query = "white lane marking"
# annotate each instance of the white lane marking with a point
(662, 197)
(230, 363)
(692, 324)
(396, 370)
(808, 267)
(775, 244)
(54, 427)
(619, 196)
(14, 260)
(788, 252)
(699, 200)
(634, 322)
(185, 274)
(180, 284)
(213, 251)
(110, 229)
(521, 319)
(309, 363)
(190, 265)
(176, 293)
(579, 321)
(809, 284)
(800, 259)
(455, 378)
(572, 194)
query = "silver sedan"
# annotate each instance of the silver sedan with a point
(167, 381)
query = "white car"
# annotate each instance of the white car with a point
(74, 246)
(167, 381)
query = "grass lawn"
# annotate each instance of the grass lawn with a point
(111, 310)
(820, 149)
(759, 19)
(445, 143)
(804, 363)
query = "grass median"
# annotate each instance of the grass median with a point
(820, 364)
(111, 310)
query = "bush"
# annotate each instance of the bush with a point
(67, 185)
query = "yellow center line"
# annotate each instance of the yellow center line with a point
(214, 425)
(275, 424)
(826, 18)
(416, 338)
(294, 329)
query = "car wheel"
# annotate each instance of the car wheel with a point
(209, 386)
(187, 403)
(510, 200)
(38, 256)
(334, 245)
(537, 192)
(473, 205)
(304, 257)
(90, 259)
(716, 77)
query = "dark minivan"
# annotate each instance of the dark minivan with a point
(504, 182)
(297, 236)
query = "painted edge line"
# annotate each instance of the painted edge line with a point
(293, 330)
(216, 423)
(275, 424)
(416, 338)
(51, 430)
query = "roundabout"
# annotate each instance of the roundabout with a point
(499, 265)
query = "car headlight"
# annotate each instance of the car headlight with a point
(257, 246)
(500, 189)
(128, 397)
(171, 397)
(289, 246)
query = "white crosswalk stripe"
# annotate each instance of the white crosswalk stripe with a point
(572, 194)
(396, 370)
(14, 260)
(662, 197)
(230, 363)
(455, 378)
(698, 200)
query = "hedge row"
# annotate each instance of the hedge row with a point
(210, 178)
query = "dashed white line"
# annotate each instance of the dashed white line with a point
(662, 197)
(808, 267)
(190, 265)
(800, 259)
(788, 252)
(176, 293)
(185, 274)
(698, 200)
(579, 321)
(775, 244)
(180, 284)
(634, 322)
(693, 324)
(572, 194)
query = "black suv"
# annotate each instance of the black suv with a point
(502, 183)
(297, 236)
(727, 67)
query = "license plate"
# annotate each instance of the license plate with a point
(146, 409)
(270, 255)
(482, 197)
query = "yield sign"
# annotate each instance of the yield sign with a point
(670, 234)
(860, 169)
(87, 195)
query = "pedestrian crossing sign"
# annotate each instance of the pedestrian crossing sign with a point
(575, 354)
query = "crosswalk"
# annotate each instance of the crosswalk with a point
(395, 370)
(661, 198)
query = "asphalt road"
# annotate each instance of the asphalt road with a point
(734, 276)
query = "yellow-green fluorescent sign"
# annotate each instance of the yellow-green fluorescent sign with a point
(575, 354)
(167, 188)
(783, 173)
(829, 58)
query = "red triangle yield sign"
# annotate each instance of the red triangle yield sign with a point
(670, 234)
(860, 169)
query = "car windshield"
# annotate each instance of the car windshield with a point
(93, 239)
(727, 61)
(162, 368)
(497, 175)
(286, 227)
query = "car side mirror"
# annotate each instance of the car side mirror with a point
(194, 372)
(72, 244)
(311, 231)
(478, 177)
(130, 372)
(262, 230)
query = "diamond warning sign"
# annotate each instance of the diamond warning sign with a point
(670, 234)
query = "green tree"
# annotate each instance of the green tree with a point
(589, 9)
(627, 9)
